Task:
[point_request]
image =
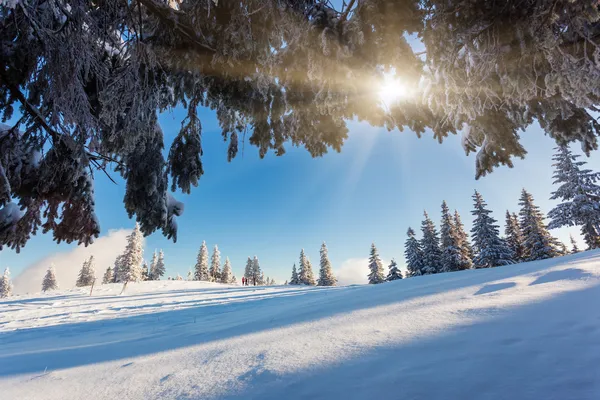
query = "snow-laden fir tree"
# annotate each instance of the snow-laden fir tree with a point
(450, 242)
(87, 274)
(490, 249)
(579, 191)
(257, 273)
(326, 277)
(466, 251)
(50, 282)
(130, 269)
(152, 268)
(375, 267)
(201, 268)
(305, 275)
(5, 284)
(248, 274)
(413, 254)
(295, 280)
(430, 246)
(394, 272)
(538, 244)
(145, 272)
(108, 276)
(514, 237)
(117, 268)
(214, 271)
(190, 276)
(574, 247)
(226, 274)
(159, 268)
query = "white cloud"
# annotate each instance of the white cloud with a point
(104, 249)
(353, 271)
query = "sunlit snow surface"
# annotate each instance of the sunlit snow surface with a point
(528, 331)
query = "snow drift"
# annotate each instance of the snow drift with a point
(526, 331)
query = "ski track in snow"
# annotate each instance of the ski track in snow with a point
(526, 331)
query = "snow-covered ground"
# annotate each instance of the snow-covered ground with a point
(528, 331)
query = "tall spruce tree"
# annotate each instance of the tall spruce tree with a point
(257, 273)
(108, 276)
(491, 250)
(226, 274)
(117, 268)
(450, 242)
(50, 282)
(86, 273)
(413, 254)
(579, 191)
(514, 236)
(375, 267)
(326, 277)
(159, 268)
(305, 275)
(574, 247)
(130, 269)
(201, 268)
(145, 271)
(538, 243)
(466, 251)
(295, 280)
(5, 284)
(152, 269)
(394, 272)
(248, 271)
(215, 265)
(430, 246)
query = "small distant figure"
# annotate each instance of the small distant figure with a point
(243, 281)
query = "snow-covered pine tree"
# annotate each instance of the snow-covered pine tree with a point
(248, 271)
(91, 271)
(145, 272)
(574, 247)
(579, 191)
(257, 273)
(233, 280)
(261, 280)
(394, 272)
(190, 276)
(87, 274)
(326, 277)
(226, 274)
(295, 280)
(5, 284)
(117, 268)
(430, 246)
(305, 275)
(490, 249)
(375, 267)
(130, 269)
(450, 242)
(201, 268)
(538, 244)
(466, 251)
(108, 276)
(215, 265)
(50, 282)
(152, 268)
(413, 254)
(514, 236)
(159, 268)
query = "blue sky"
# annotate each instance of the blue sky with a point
(370, 192)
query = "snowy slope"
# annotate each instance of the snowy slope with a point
(528, 331)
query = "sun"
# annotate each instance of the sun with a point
(392, 90)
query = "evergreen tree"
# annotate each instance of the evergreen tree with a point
(413, 254)
(159, 268)
(87, 273)
(50, 282)
(305, 275)
(257, 274)
(145, 271)
(466, 251)
(450, 242)
(574, 248)
(430, 246)
(295, 279)
(179, 278)
(394, 273)
(538, 243)
(326, 277)
(514, 236)
(190, 276)
(152, 269)
(226, 275)
(201, 268)
(233, 280)
(491, 250)
(248, 274)
(117, 268)
(5, 284)
(375, 266)
(579, 191)
(215, 265)
(108, 276)
(130, 269)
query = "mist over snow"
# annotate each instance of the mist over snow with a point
(353, 271)
(67, 264)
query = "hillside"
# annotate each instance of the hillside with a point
(528, 331)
